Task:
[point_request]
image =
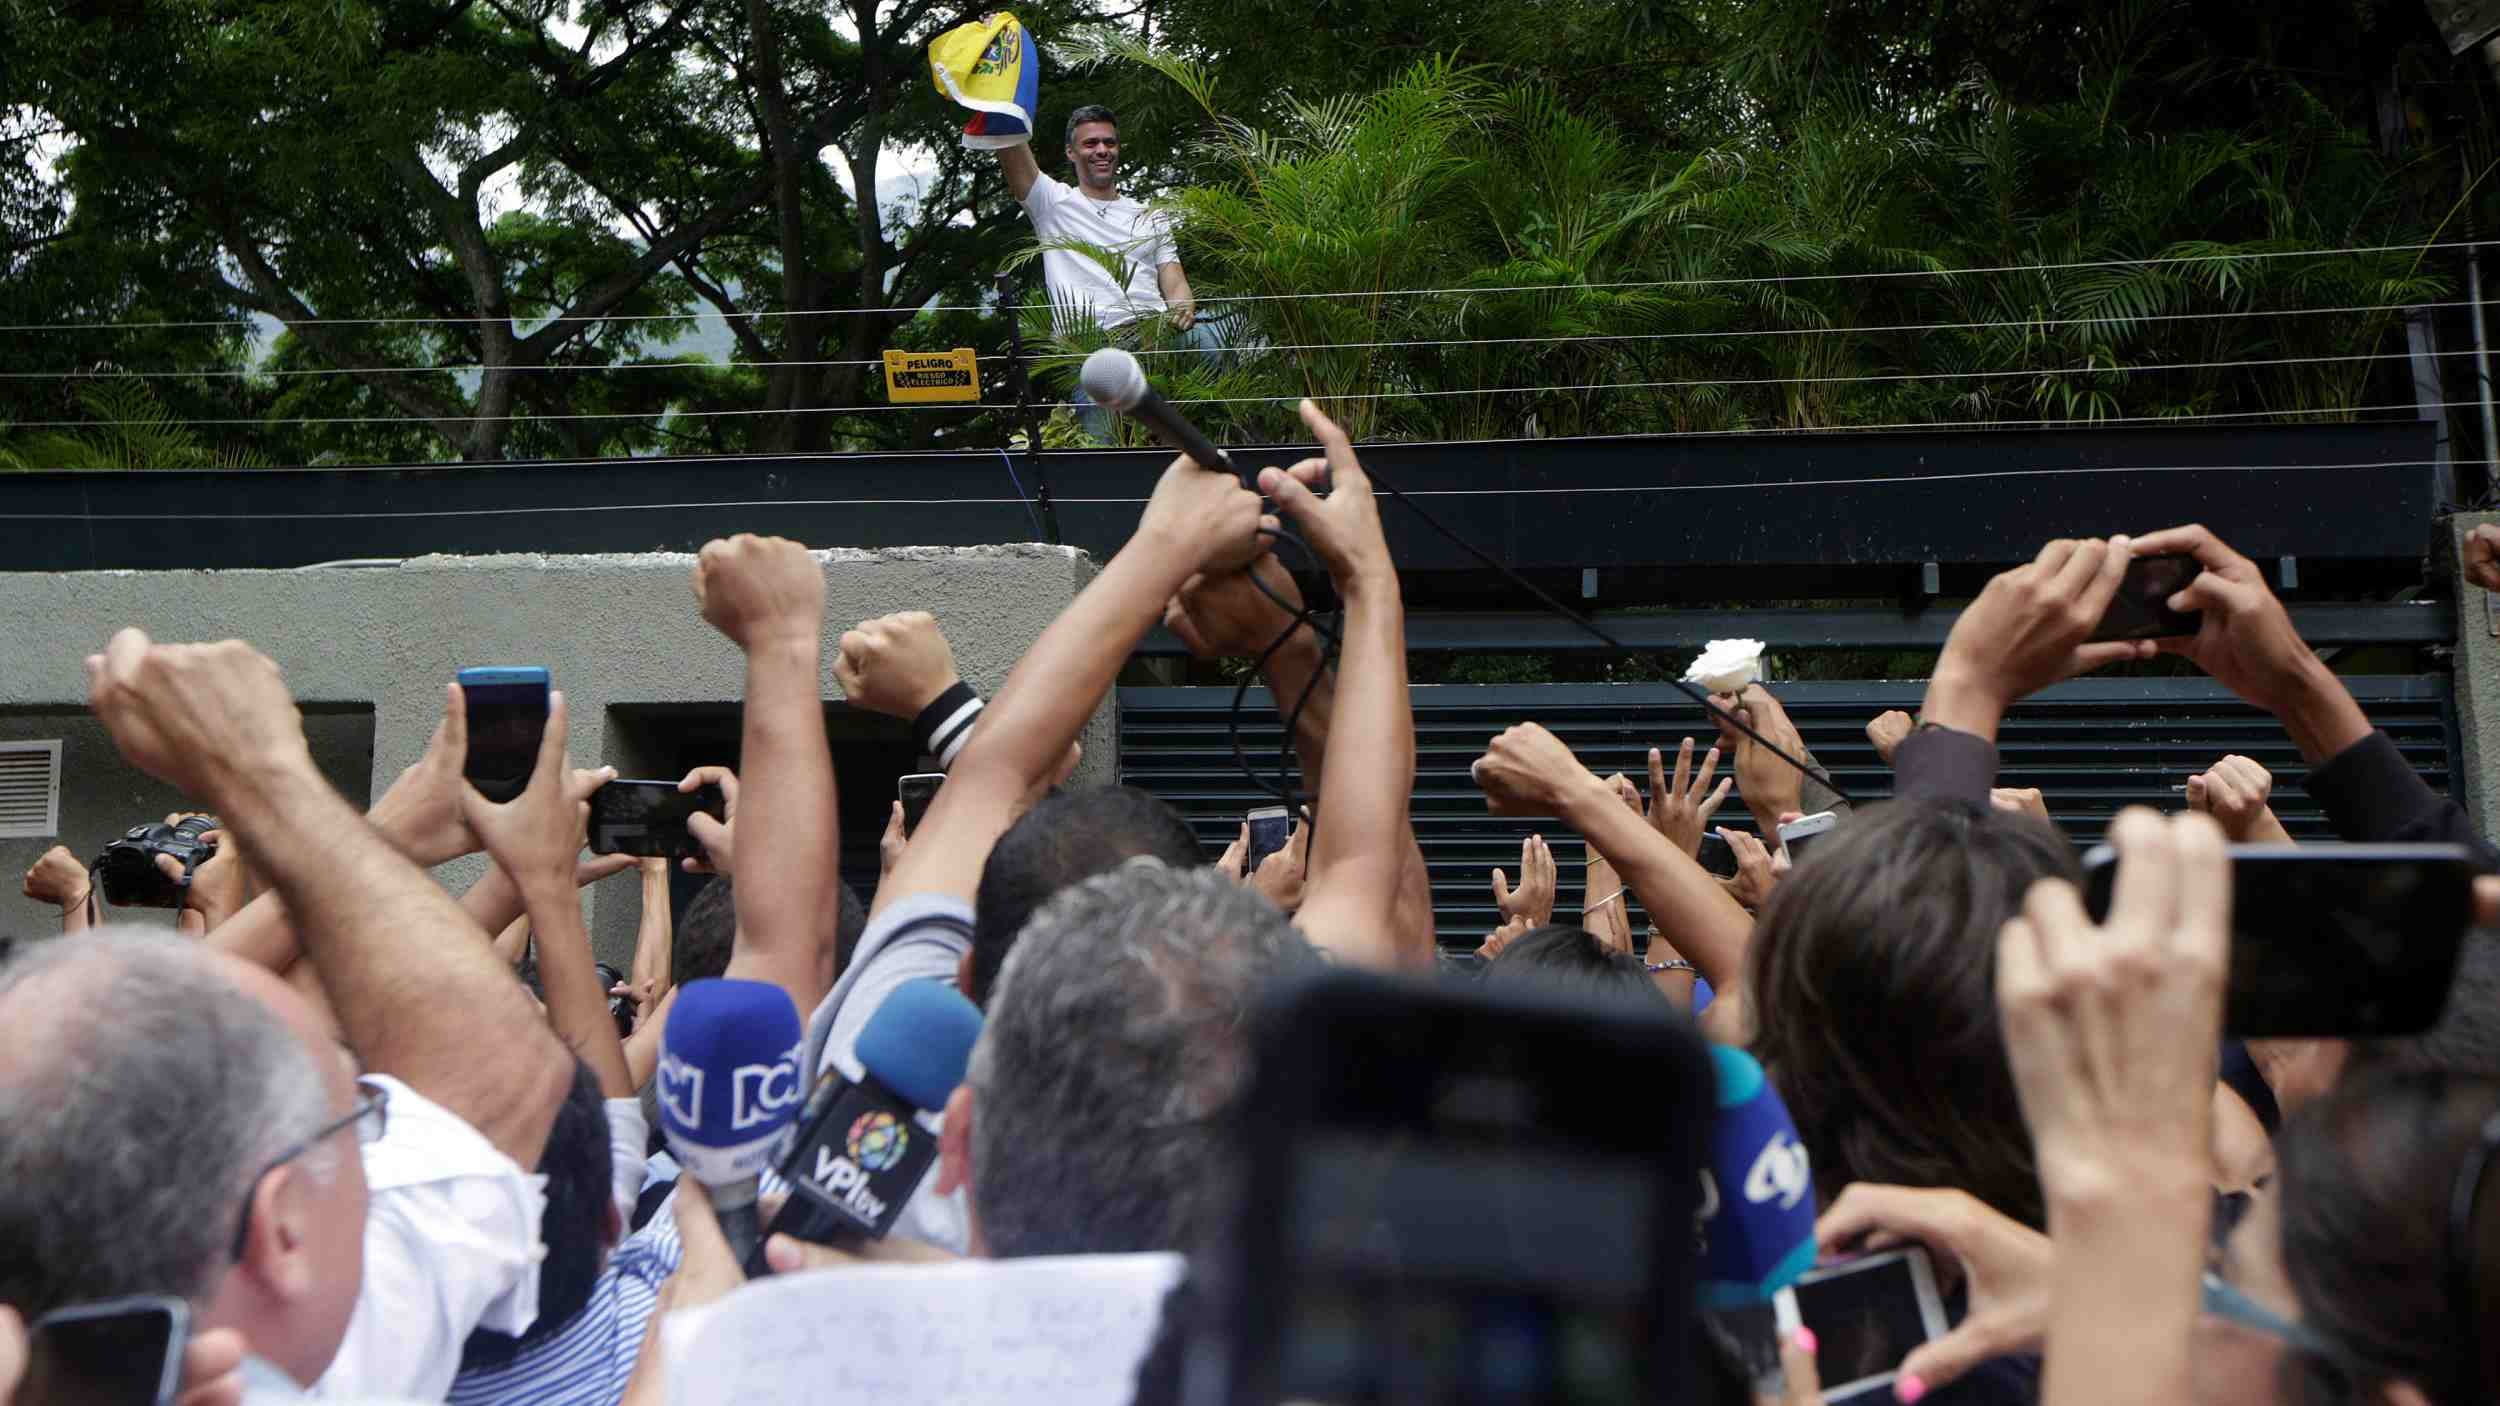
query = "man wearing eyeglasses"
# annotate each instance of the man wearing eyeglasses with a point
(182, 1122)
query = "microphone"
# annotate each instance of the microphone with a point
(1756, 1218)
(730, 1091)
(1118, 384)
(861, 1151)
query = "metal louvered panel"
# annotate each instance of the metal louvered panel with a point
(2092, 747)
(30, 789)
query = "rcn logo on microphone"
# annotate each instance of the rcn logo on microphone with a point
(759, 1092)
(1781, 1171)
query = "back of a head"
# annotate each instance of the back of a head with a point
(1873, 979)
(1565, 959)
(699, 946)
(578, 1163)
(1071, 835)
(1116, 1042)
(2364, 1182)
(140, 1090)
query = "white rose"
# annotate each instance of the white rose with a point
(1726, 666)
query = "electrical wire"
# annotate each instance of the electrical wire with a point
(2224, 314)
(1731, 280)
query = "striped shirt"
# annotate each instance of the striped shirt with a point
(588, 1361)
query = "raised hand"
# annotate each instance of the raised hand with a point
(895, 664)
(1888, 731)
(1280, 876)
(1682, 812)
(1534, 898)
(1758, 870)
(199, 717)
(2482, 556)
(537, 836)
(1768, 786)
(1527, 771)
(420, 813)
(2027, 630)
(1205, 519)
(2019, 800)
(57, 878)
(1344, 528)
(2234, 791)
(760, 590)
(1501, 937)
(1225, 616)
(719, 838)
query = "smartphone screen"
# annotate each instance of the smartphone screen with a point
(1271, 828)
(2333, 940)
(915, 792)
(1717, 857)
(507, 717)
(1798, 835)
(1868, 1314)
(1444, 1207)
(2141, 609)
(121, 1352)
(648, 818)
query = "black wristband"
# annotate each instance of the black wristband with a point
(945, 726)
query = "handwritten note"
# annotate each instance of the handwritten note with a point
(1069, 1330)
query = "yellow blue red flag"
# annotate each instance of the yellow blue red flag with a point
(989, 66)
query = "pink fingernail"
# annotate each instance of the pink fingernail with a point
(1908, 1390)
(1806, 1341)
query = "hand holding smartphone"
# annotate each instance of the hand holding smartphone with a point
(1868, 1314)
(1271, 829)
(1798, 834)
(649, 819)
(2141, 609)
(507, 710)
(916, 791)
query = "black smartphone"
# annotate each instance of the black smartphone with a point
(915, 792)
(1441, 1204)
(1271, 829)
(507, 717)
(648, 818)
(115, 1352)
(2333, 940)
(2141, 609)
(1717, 857)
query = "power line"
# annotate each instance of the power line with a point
(1901, 480)
(1716, 281)
(1569, 338)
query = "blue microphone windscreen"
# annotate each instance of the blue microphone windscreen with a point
(919, 1041)
(729, 1079)
(1758, 1210)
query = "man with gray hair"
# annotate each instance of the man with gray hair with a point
(1091, 1120)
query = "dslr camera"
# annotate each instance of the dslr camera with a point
(127, 871)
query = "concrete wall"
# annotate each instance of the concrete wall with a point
(618, 632)
(2478, 685)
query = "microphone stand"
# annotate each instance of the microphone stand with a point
(1024, 408)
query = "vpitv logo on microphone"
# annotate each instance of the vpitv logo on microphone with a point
(876, 1142)
(1781, 1170)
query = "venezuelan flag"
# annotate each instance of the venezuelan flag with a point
(989, 66)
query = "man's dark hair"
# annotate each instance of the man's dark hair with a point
(1070, 836)
(2363, 1180)
(1561, 957)
(1873, 978)
(1090, 112)
(580, 1168)
(700, 945)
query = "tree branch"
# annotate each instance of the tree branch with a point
(605, 295)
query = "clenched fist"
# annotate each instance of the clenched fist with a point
(895, 664)
(760, 590)
(195, 716)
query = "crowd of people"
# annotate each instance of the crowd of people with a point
(391, 1144)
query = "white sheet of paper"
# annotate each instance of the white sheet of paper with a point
(1069, 1330)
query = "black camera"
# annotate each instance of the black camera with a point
(127, 871)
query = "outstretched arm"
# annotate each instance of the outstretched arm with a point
(216, 721)
(1022, 170)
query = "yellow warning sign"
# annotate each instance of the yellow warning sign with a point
(924, 378)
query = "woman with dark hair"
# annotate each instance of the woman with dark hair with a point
(1872, 981)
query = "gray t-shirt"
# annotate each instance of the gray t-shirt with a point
(920, 937)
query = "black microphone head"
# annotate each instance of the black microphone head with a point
(1114, 380)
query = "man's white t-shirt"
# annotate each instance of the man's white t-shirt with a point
(451, 1243)
(1079, 284)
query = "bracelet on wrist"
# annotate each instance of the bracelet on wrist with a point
(1672, 964)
